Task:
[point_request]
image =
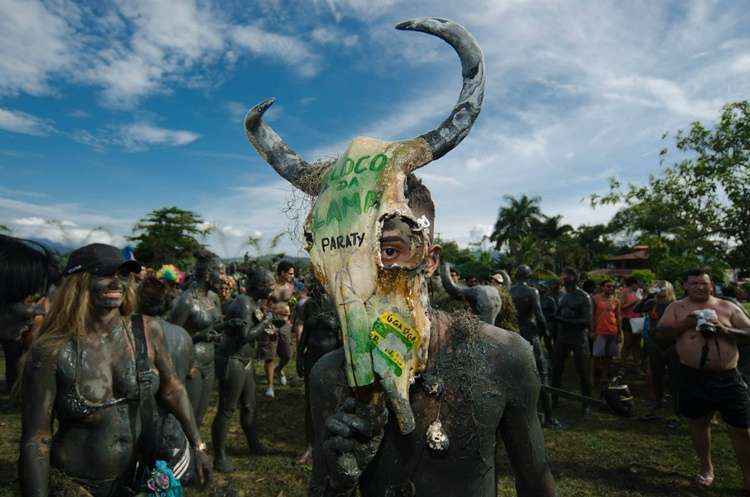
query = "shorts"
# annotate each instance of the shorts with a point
(700, 394)
(267, 345)
(606, 346)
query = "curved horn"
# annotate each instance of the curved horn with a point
(454, 129)
(272, 148)
(453, 290)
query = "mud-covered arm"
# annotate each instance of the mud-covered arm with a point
(541, 321)
(300, 357)
(39, 391)
(180, 310)
(328, 389)
(251, 333)
(171, 390)
(520, 431)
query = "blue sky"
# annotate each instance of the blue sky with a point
(111, 109)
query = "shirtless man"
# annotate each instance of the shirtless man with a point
(708, 376)
(283, 291)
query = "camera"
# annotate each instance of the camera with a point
(705, 322)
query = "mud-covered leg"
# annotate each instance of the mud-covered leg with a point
(230, 389)
(205, 397)
(247, 411)
(194, 387)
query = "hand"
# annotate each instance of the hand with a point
(203, 466)
(353, 436)
(689, 322)
(235, 323)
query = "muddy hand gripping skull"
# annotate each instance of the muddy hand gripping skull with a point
(383, 309)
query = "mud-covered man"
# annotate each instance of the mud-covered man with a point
(435, 393)
(574, 320)
(533, 327)
(320, 335)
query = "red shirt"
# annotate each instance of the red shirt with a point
(629, 297)
(605, 315)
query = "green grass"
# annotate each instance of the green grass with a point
(601, 456)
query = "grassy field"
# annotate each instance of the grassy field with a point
(600, 456)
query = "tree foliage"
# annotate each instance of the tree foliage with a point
(168, 236)
(545, 242)
(697, 211)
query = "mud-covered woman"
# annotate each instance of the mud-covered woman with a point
(155, 295)
(92, 369)
(245, 322)
(198, 310)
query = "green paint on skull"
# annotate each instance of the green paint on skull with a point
(380, 334)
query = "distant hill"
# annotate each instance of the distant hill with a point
(58, 247)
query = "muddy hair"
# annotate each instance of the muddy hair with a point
(67, 318)
(26, 268)
(420, 201)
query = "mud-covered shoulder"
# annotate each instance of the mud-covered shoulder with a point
(510, 355)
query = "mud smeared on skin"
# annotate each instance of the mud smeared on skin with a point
(63, 486)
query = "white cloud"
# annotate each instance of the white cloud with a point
(332, 36)
(29, 221)
(69, 224)
(20, 122)
(288, 49)
(741, 64)
(132, 49)
(142, 135)
(37, 43)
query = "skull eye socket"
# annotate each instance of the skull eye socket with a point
(401, 245)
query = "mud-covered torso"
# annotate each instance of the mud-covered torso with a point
(233, 344)
(203, 312)
(575, 304)
(97, 405)
(469, 410)
(525, 300)
(471, 402)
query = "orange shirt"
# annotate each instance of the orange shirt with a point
(605, 315)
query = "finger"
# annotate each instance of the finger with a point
(355, 423)
(349, 405)
(338, 445)
(338, 427)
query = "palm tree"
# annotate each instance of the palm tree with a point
(515, 221)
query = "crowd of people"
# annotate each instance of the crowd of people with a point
(413, 377)
(86, 343)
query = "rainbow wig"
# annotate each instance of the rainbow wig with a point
(170, 274)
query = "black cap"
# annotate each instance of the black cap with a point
(100, 260)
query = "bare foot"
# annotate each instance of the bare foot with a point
(305, 458)
(704, 480)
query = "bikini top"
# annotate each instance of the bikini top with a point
(71, 404)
